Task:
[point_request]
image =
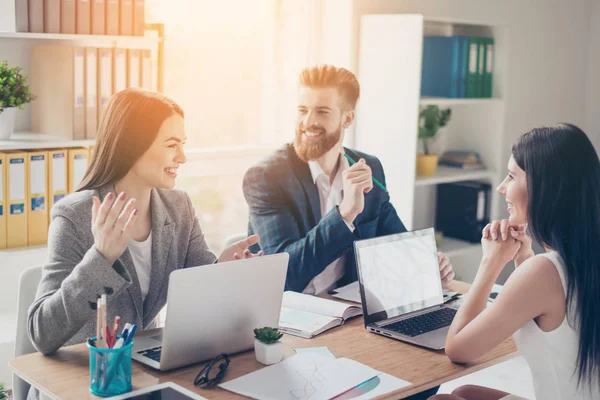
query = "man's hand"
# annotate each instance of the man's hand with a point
(357, 181)
(446, 272)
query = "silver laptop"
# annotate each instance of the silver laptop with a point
(400, 288)
(214, 309)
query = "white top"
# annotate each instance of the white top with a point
(330, 195)
(552, 356)
(141, 253)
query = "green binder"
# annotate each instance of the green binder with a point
(473, 68)
(488, 67)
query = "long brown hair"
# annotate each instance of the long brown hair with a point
(129, 126)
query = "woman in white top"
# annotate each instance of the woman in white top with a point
(550, 302)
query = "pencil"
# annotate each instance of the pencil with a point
(375, 181)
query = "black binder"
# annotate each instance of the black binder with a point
(463, 209)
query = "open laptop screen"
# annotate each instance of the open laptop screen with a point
(398, 274)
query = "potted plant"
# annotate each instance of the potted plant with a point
(14, 92)
(431, 119)
(267, 347)
(3, 393)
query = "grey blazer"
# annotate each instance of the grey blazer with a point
(76, 274)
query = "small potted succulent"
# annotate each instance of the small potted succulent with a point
(431, 119)
(267, 347)
(14, 93)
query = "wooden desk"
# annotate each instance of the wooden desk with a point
(65, 375)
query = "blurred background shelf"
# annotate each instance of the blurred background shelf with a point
(450, 174)
(30, 141)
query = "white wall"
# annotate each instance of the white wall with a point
(592, 104)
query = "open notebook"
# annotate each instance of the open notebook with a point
(306, 316)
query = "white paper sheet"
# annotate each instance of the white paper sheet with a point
(349, 292)
(322, 351)
(302, 377)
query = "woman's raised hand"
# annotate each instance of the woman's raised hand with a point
(112, 222)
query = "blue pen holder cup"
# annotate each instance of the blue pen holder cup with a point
(110, 370)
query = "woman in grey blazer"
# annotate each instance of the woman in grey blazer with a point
(125, 228)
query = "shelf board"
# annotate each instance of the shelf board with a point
(126, 42)
(30, 141)
(449, 174)
(444, 101)
(453, 247)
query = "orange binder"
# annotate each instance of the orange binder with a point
(36, 16)
(84, 13)
(146, 70)
(3, 202)
(139, 17)
(37, 198)
(78, 163)
(98, 17)
(112, 17)
(22, 15)
(16, 218)
(126, 18)
(68, 16)
(119, 70)
(91, 92)
(52, 16)
(133, 68)
(58, 174)
(105, 74)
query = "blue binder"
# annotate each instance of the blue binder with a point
(444, 60)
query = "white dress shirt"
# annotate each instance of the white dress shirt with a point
(330, 196)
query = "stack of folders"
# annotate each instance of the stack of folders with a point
(83, 80)
(307, 316)
(461, 159)
(457, 67)
(31, 182)
(87, 17)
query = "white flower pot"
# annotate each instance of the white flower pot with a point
(268, 353)
(7, 122)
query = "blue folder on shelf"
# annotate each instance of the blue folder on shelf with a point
(444, 66)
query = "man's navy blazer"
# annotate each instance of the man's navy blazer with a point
(285, 210)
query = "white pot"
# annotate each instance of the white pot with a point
(7, 122)
(268, 353)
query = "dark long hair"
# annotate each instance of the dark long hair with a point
(563, 182)
(129, 126)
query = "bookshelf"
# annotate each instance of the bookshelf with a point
(99, 41)
(32, 141)
(389, 71)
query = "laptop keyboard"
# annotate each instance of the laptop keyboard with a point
(153, 354)
(423, 323)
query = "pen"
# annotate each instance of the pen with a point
(352, 162)
(130, 335)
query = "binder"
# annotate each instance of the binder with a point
(139, 17)
(78, 163)
(463, 55)
(16, 218)
(488, 67)
(36, 16)
(119, 70)
(37, 198)
(463, 209)
(112, 17)
(126, 18)
(133, 68)
(57, 177)
(105, 57)
(84, 16)
(52, 16)
(473, 63)
(91, 151)
(146, 70)
(68, 16)
(98, 17)
(480, 67)
(3, 202)
(91, 92)
(22, 15)
(58, 78)
(440, 73)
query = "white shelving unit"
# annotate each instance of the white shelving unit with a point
(31, 141)
(126, 42)
(389, 71)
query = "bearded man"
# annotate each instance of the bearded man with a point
(308, 201)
